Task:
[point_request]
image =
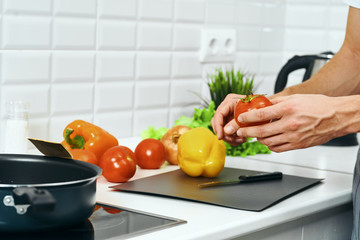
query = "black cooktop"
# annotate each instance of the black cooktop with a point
(106, 222)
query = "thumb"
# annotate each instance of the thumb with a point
(231, 127)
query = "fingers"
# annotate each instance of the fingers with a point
(230, 133)
(231, 127)
(281, 148)
(261, 115)
(223, 113)
(223, 122)
(234, 140)
(263, 131)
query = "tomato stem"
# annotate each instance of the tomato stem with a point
(249, 98)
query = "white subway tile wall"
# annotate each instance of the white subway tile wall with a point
(129, 64)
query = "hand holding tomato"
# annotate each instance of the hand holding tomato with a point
(150, 154)
(302, 121)
(248, 103)
(224, 123)
(118, 164)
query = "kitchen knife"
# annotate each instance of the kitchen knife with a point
(244, 179)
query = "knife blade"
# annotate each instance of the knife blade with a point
(244, 179)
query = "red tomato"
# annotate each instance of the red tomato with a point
(84, 155)
(150, 154)
(249, 103)
(118, 164)
(129, 152)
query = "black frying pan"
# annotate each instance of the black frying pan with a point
(42, 193)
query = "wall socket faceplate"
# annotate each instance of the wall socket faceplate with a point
(217, 45)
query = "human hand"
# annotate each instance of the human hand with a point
(224, 117)
(298, 121)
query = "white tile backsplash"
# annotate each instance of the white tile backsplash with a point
(248, 13)
(85, 8)
(249, 38)
(26, 32)
(151, 94)
(112, 66)
(337, 16)
(130, 64)
(149, 117)
(25, 67)
(38, 127)
(303, 16)
(156, 9)
(247, 61)
(117, 8)
(117, 123)
(73, 67)
(269, 62)
(335, 39)
(187, 37)
(186, 65)
(153, 65)
(154, 36)
(311, 41)
(273, 14)
(25, 6)
(116, 35)
(72, 98)
(184, 92)
(107, 97)
(73, 33)
(272, 39)
(220, 11)
(190, 10)
(37, 95)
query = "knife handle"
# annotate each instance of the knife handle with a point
(261, 177)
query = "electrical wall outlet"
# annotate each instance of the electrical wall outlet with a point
(217, 45)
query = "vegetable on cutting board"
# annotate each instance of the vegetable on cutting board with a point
(170, 140)
(80, 134)
(200, 153)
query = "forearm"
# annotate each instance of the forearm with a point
(341, 75)
(347, 114)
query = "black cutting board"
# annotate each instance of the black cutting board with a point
(255, 196)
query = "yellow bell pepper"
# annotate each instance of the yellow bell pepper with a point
(200, 153)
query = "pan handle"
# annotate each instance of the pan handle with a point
(40, 200)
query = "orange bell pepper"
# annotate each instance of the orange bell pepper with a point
(80, 134)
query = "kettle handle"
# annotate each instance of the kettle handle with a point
(295, 63)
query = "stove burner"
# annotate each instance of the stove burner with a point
(106, 222)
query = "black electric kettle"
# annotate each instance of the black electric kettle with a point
(311, 64)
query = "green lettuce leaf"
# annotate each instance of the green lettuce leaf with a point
(247, 148)
(200, 118)
(152, 132)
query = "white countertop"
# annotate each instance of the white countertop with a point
(205, 221)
